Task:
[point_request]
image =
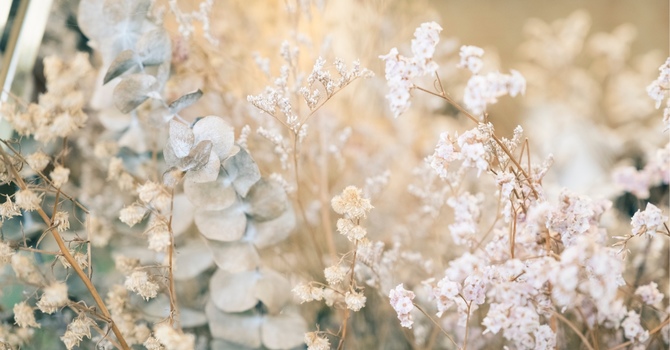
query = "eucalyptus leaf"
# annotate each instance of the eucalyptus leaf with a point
(126, 60)
(192, 259)
(243, 171)
(283, 331)
(182, 214)
(198, 157)
(272, 289)
(268, 233)
(243, 329)
(234, 292)
(129, 13)
(215, 129)
(234, 256)
(215, 195)
(266, 200)
(181, 138)
(206, 173)
(226, 225)
(220, 344)
(132, 91)
(154, 47)
(185, 101)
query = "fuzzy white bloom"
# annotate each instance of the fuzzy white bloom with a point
(53, 297)
(401, 301)
(60, 175)
(351, 203)
(173, 339)
(483, 90)
(335, 274)
(658, 89)
(24, 315)
(28, 200)
(38, 161)
(153, 344)
(9, 209)
(474, 289)
(445, 293)
(400, 69)
(79, 328)
(307, 292)
(355, 300)
(633, 329)
(6, 253)
(315, 342)
(140, 283)
(26, 270)
(61, 221)
(133, 214)
(80, 258)
(466, 217)
(471, 58)
(631, 180)
(649, 293)
(649, 221)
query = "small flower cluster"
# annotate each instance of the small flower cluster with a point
(400, 70)
(401, 301)
(483, 90)
(471, 148)
(659, 89)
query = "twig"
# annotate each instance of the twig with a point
(574, 328)
(436, 324)
(66, 254)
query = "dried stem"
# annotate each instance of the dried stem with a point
(574, 328)
(174, 308)
(66, 254)
(436, 324)
(352, 281)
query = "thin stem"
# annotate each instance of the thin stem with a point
(436, 324)
(653, 331)
(66, 254)
(574, 328)
(467, 328)
(174, 308)
(351, 286)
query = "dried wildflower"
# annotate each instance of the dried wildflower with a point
(153, 193)
(61, 221)
(28, 200)
(659, 88)
(53, 297)
(6, 253)
(335, 274)
(9, 209)
(79, 328)
(99, 231)
(153, 344)
(173, 339)
(38, 161)
(307, 292)
(445, 293)
(351, 203)
(633, 329)
(471, 58)
(140, 283)
(117, 299)
(400, 69)
(132, 215)
(401, 301)
(26, 270)
(354, 300)
(315, 342)
(80, 258)
(24, 315)
(159, 237)
(59, 176)
(648, 221)
(649, 293)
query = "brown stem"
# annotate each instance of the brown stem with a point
(66, 254)
(436, 324)
(351, 286)
(574, 328)
(174, 309)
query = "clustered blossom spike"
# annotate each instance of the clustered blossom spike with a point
(401, 301)
(470, 148)
(400, 70)
(648, 222)
(659, 89)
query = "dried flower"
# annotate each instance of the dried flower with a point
(173, 339)
(648, 221)
(59, 176)
(26, 270)
(28, 200)
(354, 300)
(53, 298)
(351, 203)
(132, 215)
(649, 293)
(61, 221)
(38, 160)
(401, 301)
(140, 283)
(335, 274)
(315, 342)
(24, 315)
